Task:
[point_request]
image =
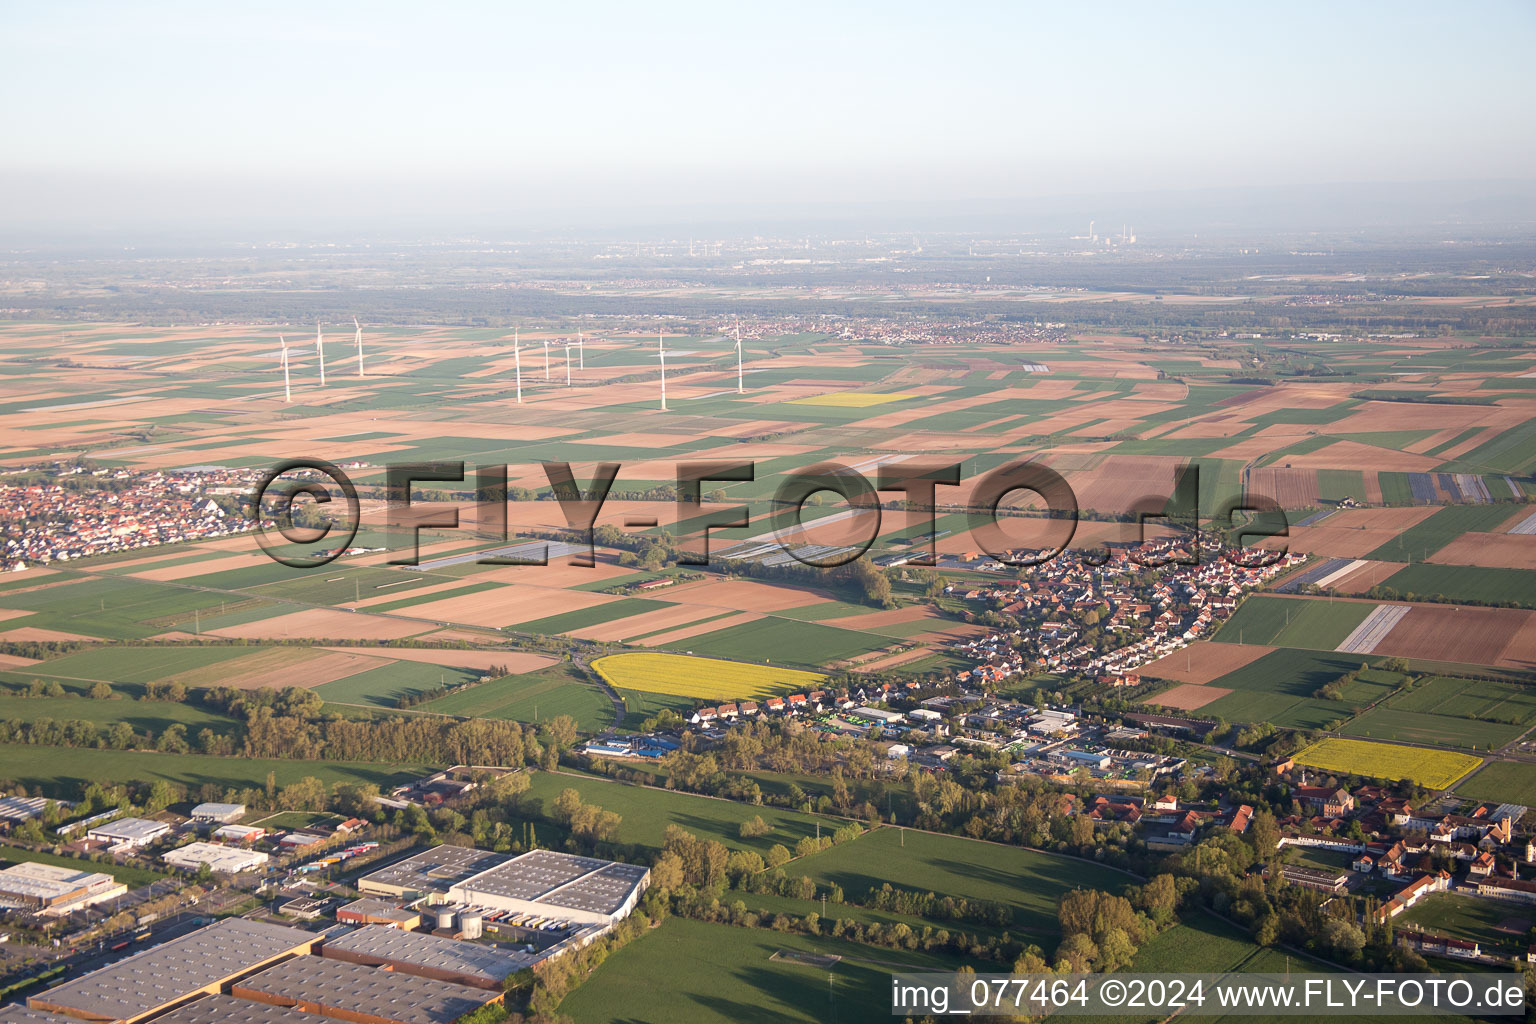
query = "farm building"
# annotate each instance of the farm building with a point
(431, 871)
(582, 890)
(134, 989)
(427, 956)
(335, 988)
(218, 858)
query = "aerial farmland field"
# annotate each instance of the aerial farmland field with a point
(1433, 769)
(701, 678)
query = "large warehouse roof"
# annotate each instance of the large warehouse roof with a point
(173, 970)
(558, 880)
(434, 870)
(229, 1010)
(385, 995)
(21, 1015)
(379, 944)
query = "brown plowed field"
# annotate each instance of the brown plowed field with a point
(1490, 550)
(323, 624)
(1473, 636)
(697, 629)
(1203, 661)
(1188, 696)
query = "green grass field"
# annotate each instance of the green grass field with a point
(647, 813)
(1390, 723)
(1312, 623)
(595, 615)
(1492, 923)
(144, 715)
(1465, 583)
(1502, 782)
(110, 608)
(534, 697)
(64, 772)
(1470, 698)
(785, 641)
(1417, 543)
(133, 664)
(718, 974)
(1029, 881)
(384, 686)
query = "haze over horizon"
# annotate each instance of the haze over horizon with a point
(396, 117)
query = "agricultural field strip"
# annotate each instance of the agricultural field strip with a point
(1338, 574)
(1525, 527)
(1374, 629)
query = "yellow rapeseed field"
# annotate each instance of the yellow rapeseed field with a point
(681, 675)
(1434, 769)
(850, 399)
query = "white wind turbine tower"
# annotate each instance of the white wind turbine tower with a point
(739, 389)
(546, 359)
(661, 352)
(567, 364)
(517, 357)
(357, 340)
(320, 352)
(581, 351)
(287, 391)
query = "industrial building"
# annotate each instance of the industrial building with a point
(239, 833)
(163, 976)
(218, 858)
(218, 814)
(21, 1015)
(229, 1010)
(432, 871)
(427, 956)
(21, 808)
(126, 834)
(364, 995)
(369, 911)
(559, 886)
(55, 888)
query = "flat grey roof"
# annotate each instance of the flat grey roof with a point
(229, 1010)
(435, 870)
(417, 948)
(558, 880)
(130, 828)
(21, 1015)
(368, 990)
(378, 908)
(172, 970)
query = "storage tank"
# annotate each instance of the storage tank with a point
(471, 924)
(445, 918)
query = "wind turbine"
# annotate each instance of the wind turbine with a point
(739, 389)
(517, 356)
(581, 351)
(287, 391)
(357, 340)
(546, 359)
(567, 364)
(320, 352)
(661, 352)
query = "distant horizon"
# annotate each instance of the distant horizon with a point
(1487, 208)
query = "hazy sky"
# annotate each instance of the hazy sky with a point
(136, 109)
